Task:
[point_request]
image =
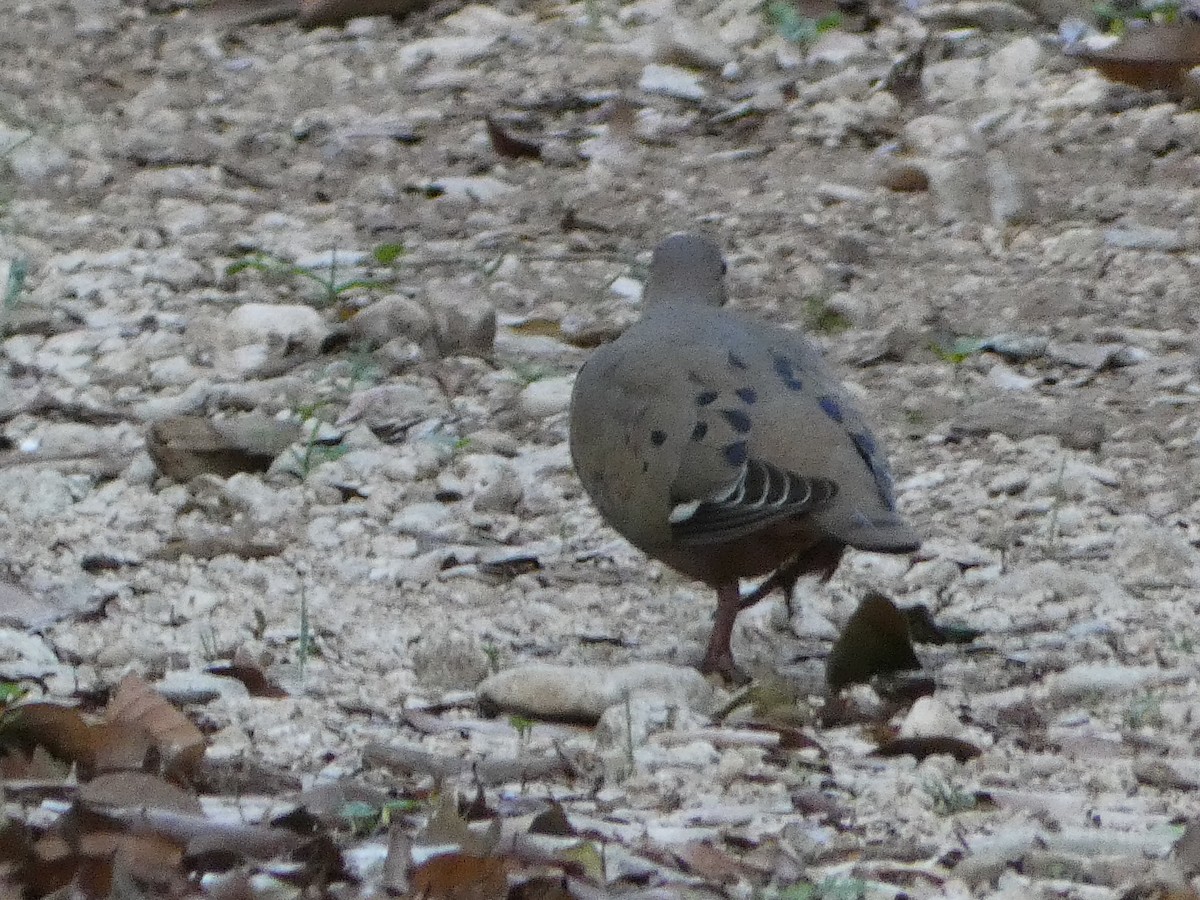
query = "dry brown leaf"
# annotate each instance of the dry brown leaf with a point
(323, 863)
(60, 730)
(711, 863)
(93, 878)
(40, 767)
(212, 546)
(334, 12)
(137, 790)
(148, 857)
(253, 677)
(553, 821)
(477, 810)
(874, 642)
(1157, 57)
(179, 742)
(543, 888)
(16, 851)
(460, 876)
(921, 747)
(121, 748)
(239, 13)
(505, 143)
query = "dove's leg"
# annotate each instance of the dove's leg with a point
(784, 577)
(718, 658)
(821, 560)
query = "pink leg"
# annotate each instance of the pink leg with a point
(719, 656)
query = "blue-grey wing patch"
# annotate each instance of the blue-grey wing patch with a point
(865, 444)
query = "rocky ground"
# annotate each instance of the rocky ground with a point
(1023, 330)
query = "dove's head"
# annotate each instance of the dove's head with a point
(686, 268)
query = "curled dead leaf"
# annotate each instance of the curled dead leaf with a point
(922, 747)
(1157, 57)
(460, 876)
(60, 730)
(874, 642)
(506, 143)
(180, 744)
(553, 821)
(136, 790)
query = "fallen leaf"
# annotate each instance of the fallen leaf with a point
(505, 143)
(553, 821)
(477, 810)
(148, 858)
(184, 447)
(60, 730)
(212, 546)
(511, 567)
(315, 13)
(246, 669)
(460, 876)
(137, 790)
(179, 742)
(874, 642)
(239, 13)
(1157, 57)
(542, 888)
(711, 863)
(322, 865)
(924, 629)
(922, 747)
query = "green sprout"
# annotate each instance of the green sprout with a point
(959, 349)
(947, 798)
(523, 726)
(796, 28)
(820, 317)
(332, 288)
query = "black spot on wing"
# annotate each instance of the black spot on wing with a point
(738, 420)
(704, 398)
(786, 370)
(736, 453)
(658, 437)
(831, 408)
(747, 395)
(699, 431)
(736, 361)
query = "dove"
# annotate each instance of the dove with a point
(724, 446)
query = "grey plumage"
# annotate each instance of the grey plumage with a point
(723, 445)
